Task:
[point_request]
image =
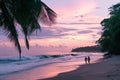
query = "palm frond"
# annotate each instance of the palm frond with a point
(25, 13)
(8, 24)
(47, 15)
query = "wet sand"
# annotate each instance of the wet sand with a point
(37, 73)
(105, 69)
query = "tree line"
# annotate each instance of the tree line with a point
(110, 38)
(95, 48)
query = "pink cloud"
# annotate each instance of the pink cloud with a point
(89, 18)
(68, 8)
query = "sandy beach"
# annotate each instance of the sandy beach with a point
(105, 69)
(41, 68)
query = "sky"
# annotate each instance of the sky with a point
(80, 8)
(77, 25)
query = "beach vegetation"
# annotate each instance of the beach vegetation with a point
(95, 48)
(110, 38)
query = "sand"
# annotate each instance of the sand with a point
(105, 69)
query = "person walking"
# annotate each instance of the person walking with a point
(88, 58)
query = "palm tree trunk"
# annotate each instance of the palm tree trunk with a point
(19, 56)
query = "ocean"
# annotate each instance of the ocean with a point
(35, 67)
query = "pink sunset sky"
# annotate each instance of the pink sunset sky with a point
(78, 24)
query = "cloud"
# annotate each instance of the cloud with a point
(67, 8)
(78, 23)
(48, 32)
(95, 28)
(85, 32)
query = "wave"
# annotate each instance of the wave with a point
(10, 65)
(26, 58)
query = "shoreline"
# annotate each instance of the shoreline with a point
(54, 68)
(105, 69)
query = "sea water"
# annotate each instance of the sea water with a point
(42, 66)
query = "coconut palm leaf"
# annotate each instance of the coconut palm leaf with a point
(25, 13)
(47, 15)
(7, 22)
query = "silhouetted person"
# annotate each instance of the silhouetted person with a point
(88, 59)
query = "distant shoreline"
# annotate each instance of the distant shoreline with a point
(95, 48)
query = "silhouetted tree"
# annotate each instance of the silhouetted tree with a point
(110, 38)
(26, 13)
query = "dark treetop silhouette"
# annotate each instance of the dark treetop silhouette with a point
(26, 13)
(110, 38)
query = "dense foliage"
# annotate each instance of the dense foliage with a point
(26, 13)
(110, 38)
(95, 48)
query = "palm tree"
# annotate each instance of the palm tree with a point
(28, 14)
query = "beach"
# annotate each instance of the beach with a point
(59, 40)
(63, 68)
(104, 69)
(40, 67)
(70, 68)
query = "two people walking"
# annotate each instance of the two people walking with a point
(87, 60)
